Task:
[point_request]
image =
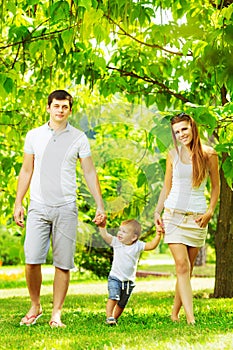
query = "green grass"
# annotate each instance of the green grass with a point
(145, 324)
(206, 271)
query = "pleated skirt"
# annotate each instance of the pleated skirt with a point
(182, 228)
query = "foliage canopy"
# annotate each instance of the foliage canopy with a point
(166, 56)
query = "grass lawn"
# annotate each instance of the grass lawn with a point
(208, 270)
(163, 263)
(145, 324)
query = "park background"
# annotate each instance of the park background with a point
(130, 65)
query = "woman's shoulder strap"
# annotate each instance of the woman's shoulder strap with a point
(174, 155)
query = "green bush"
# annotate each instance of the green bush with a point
(11, 248)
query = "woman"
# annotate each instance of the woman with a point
(186, 215)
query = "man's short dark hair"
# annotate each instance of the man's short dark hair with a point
(60, 95)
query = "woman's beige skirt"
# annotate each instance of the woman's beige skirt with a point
(181, 228)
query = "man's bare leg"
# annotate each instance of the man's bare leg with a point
(34, 280)
(60, 288)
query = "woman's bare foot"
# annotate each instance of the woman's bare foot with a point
(175, 318)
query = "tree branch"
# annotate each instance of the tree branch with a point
(45, 36)
(154, 46)
(152, 81)
(224, 95)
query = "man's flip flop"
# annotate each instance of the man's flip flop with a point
(30, 320)
(55, 324)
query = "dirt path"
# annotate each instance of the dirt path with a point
(142, 285)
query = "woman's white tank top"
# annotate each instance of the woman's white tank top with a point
(182, 195)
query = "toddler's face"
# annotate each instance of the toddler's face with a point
(125, 235)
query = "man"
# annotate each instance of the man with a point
(49, 168)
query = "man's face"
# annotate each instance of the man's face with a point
(59, 111)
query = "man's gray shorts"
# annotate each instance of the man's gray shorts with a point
(44, 221)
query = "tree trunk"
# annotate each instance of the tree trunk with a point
(201, 257)
(224, 242)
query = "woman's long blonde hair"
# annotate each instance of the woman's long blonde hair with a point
(199, 157)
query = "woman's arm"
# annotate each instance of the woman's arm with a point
(215, 188)
(163, 195)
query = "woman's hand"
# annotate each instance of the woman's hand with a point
(203, 220)
(158, 223)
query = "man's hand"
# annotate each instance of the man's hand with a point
(19, 215)
(100, 218)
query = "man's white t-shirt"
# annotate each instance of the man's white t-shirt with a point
(55, 158)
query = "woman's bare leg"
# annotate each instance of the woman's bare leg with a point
(184, 259)
(192, 253)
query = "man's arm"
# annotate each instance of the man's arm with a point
(92, 181)
(22, 187)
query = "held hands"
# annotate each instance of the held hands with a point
(100, 218)
(19, 215)
(158, 223)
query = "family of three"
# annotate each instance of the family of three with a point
(51, 152)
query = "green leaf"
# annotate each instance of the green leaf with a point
(87, 4)
(5, 119)
(141, 17)
(227, 12)
(11, 6)
(99, 62)
(198, 48)
(67, 38)
(101, 33)
(162, 163)
(60, 10)
(141, 179)
(227, 168)
(187, 47)
(150, 100)
(8, 85)
(91, 18)
(224, 147)
(161, 146)
(36, 47)
(50, 55)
